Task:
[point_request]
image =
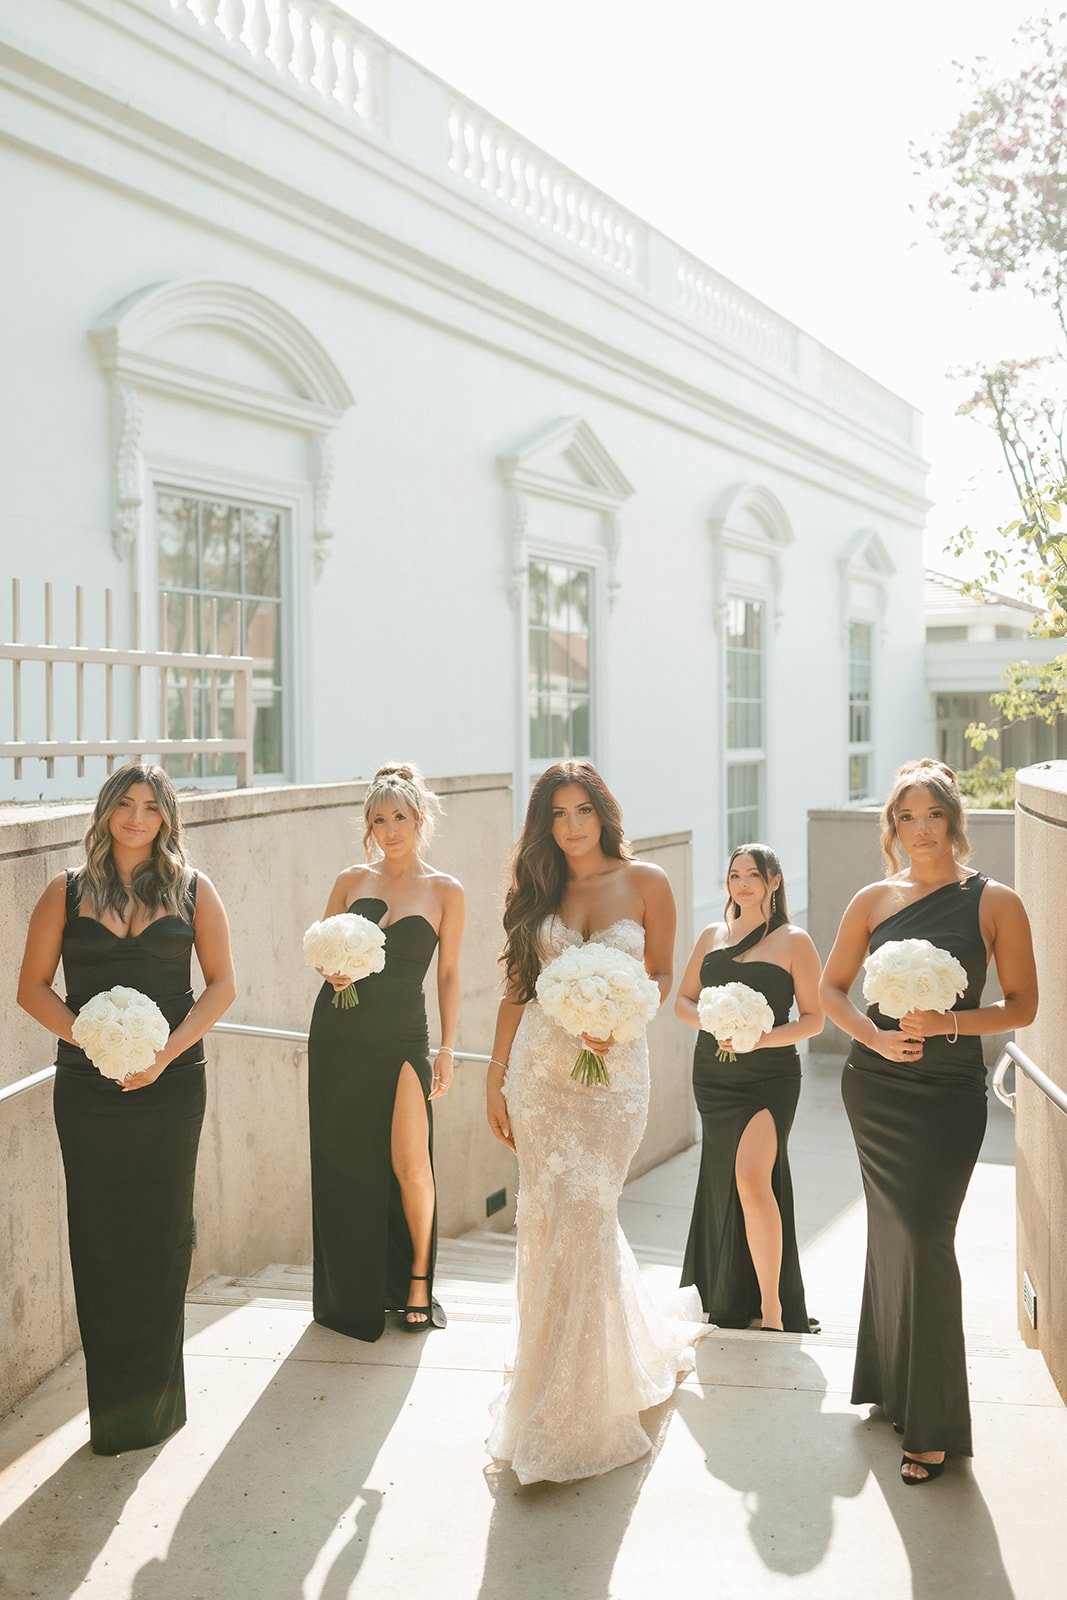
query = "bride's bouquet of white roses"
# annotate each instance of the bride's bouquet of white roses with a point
(349, 944)
(905, 975)
(121, 1031)
(734, 1011)
(595, 989)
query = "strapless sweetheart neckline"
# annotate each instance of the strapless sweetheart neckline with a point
(409, 916)
(124, 938)
(591, 938)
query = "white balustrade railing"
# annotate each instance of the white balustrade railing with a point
(738, 316)
(321, 47)
(508, 168)
(195, 685)
(848, 389)
(327, 53)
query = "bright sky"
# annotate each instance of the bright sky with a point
(772, 140)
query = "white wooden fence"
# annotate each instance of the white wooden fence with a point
(213, 679)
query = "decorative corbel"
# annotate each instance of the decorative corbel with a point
(322, 484)
(613, 541)
(519, 574)
(128, 469)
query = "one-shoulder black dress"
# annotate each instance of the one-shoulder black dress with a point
(728, 1095)
(918, 1128)
(362, 1247)
(130, 1164)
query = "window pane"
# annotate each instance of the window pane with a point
(558, 597)
(176, 532)
(580, 729)
(226, 600)
(558, 660)
(263, 641)
(538, 594)
(742, 803)
(220, 529)
(262, 552)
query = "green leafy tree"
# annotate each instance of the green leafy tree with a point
(997, 201)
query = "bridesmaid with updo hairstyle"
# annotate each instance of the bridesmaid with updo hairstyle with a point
(131, 914)
(915, 1094)
(370, 1078)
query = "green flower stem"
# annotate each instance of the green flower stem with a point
(590, 1070)
(725, 1055)
(346, 998)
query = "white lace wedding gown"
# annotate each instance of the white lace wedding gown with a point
(591, 1350)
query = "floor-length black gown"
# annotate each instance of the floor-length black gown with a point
(918, 1128)
(728, 1095)
(362, 1246)
(130, 1164)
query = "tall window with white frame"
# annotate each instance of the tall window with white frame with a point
(220, 572)
(559, 674)
(860, 733)
(745, 720)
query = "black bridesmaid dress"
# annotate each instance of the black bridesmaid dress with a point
(130, 1165)
(728, 1095)
(362, 1246)
(918, 1128)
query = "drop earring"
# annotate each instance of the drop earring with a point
(774, 900)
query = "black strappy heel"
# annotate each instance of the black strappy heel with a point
(433, 1314)
(933, 1469)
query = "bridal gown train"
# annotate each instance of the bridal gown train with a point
(591, 1349)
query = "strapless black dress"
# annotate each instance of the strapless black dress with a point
(362, 1247)
(918, 1129)
(130, 1162)
(728, 1095)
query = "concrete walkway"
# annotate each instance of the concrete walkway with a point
(314, 1468)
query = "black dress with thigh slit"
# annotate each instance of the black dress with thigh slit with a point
(362, 1246)
(129, 1160)
(728, 1095)
(918, 1128)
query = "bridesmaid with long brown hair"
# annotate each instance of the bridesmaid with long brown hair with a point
(131, 914)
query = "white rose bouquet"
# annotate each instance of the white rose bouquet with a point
(121, 1031)
(734, 1011)
(349, 944)
(905, 975)
(595, 989)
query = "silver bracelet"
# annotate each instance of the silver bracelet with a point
(954, 1035)
(445, 1050)
(493, 1062)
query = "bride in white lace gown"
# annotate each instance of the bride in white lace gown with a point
(591, 1349)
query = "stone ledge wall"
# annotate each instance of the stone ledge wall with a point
(1040, 1127)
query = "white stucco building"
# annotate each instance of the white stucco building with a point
(497, 471)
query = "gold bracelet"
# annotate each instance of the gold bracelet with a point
(954, 1035)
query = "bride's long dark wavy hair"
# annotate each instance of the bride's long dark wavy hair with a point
(539, 868)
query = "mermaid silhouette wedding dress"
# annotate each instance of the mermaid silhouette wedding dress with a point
(591, 1349)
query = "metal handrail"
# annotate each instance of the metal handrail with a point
(290, 1035)
(1011, 1056)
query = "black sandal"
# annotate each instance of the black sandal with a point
(933, 1469)
(425, 1312)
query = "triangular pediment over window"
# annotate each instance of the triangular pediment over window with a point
(567, 461)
